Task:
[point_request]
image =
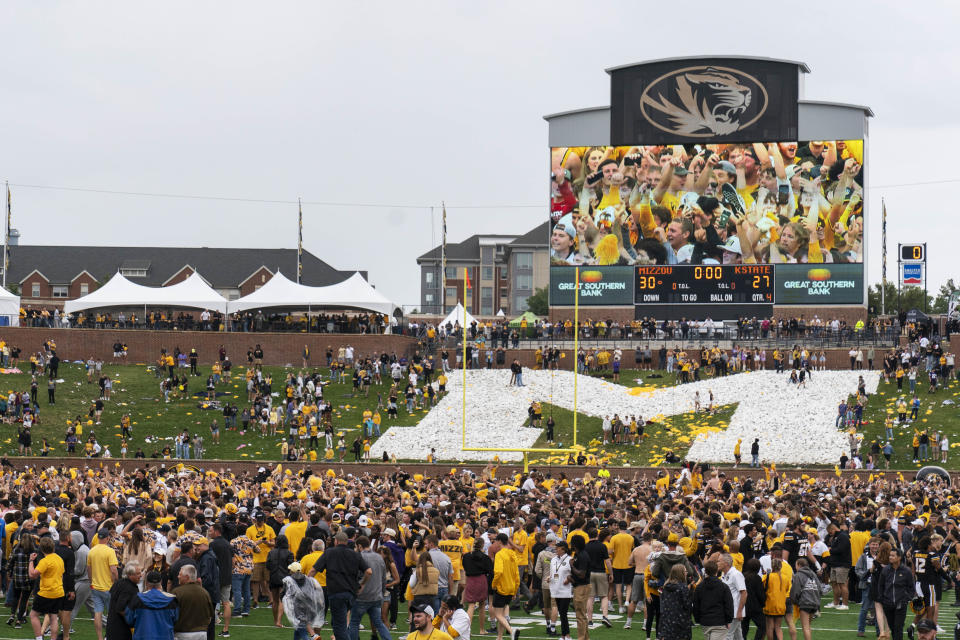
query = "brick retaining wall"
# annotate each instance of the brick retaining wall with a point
(144, 346)
(279, 348)
(239, 466)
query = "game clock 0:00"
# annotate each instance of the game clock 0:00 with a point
(705, 284)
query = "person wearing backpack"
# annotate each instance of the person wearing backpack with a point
(805, 594)
(278, 561)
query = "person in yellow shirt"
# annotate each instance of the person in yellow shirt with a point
(620, 547)
(523, 540)
(506, 581)
(311, 558)
(576, 529)
(296, 530)
(453, 547)
(736, 453)
(102, 568)
(46, 604)
(264, 535)
(663, 483)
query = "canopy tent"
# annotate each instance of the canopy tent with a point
(528, 315)
(192, 293)
(9, 308)
(280, 291)
(501, 314)
(456, 317)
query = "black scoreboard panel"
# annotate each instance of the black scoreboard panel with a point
(912, 253)
(705, 284)
(716, 312)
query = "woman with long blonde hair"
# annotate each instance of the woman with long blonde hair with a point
(425, 581)
(136, 548)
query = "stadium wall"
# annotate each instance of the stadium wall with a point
(144, 346)
(503, 471)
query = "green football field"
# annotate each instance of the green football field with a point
(839, 625)
(155, 423)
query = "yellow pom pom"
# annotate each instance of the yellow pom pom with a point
(607, 250)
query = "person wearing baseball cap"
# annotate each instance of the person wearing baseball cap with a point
(152, 612)
(264, 536)
(302, 602)
(422, 624)
(926, 629)
(563, 242)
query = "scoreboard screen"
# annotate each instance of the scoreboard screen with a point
(912, 253)
(704, 284)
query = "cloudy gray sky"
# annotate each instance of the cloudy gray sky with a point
(407, 104)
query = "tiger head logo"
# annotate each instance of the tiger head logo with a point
(702, 101)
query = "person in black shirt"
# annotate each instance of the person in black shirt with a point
(839, 561)
(186, 557)
(224, 553)
(580, 579)
(601, 573)
(122, 593)
(792, 538)
(343, 566)
(66, 553)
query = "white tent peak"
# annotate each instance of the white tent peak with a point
(352, 293)
(118, 291)
(455, 317)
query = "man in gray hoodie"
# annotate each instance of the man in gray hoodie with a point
(660, 567)
(81, 577)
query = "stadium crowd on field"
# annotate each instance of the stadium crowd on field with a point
(176, 550)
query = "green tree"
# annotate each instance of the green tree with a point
(908, 298)
(538, 303)
(943, 297)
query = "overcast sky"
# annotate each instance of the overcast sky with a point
(409, 104)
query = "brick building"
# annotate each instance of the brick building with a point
(47, 276)
(504, 271)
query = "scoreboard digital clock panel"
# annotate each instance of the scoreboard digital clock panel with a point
(705, 284)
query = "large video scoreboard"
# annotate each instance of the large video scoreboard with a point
(708, 185)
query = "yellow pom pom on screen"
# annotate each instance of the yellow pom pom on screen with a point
(607, 250)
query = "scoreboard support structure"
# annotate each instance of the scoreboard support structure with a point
(911, 254)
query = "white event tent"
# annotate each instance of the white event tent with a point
(280, 291)
(456, 317)
(193, 293)
(10, 307)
